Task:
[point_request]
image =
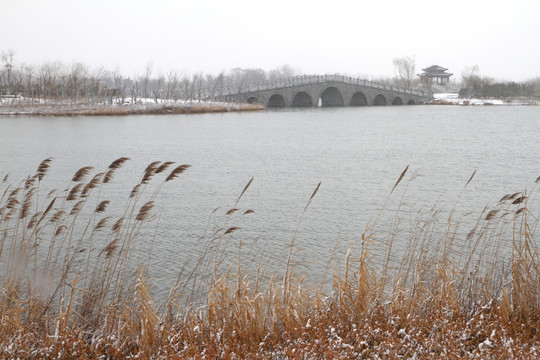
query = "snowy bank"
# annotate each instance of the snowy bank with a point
(141, 107)
(454, 99)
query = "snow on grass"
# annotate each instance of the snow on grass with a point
(454, 99)
(141, 106)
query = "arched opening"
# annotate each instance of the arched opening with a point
(379, 100)
(276, 101)
(331, 96)
(411, 102)
(359, 99)
(252, 100)
(302, 99)
(397, 101)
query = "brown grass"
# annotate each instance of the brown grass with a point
(130, 109)
(447, 294)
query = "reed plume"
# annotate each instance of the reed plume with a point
(91, 185)
(519, 200)
(145, 211)
(177, 171)
(164, 166)
(43, 168)
(29, 183)
(116, 164)
(110, 248)
(80, 287)
(134, 191)
(57, 216)
(82, 173)
(102, 206)
(150, 171)
(74, 192)
(33, 220)
(76, 208)
(102, 223)
(117, 225)
(231, 230)
(26, 204)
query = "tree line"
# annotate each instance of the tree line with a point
(474, 85)
(78, 83)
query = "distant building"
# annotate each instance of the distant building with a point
(437, 72)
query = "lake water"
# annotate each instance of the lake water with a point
(356, 153)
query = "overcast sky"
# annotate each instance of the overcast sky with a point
(353, 37)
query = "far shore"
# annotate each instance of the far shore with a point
(141, 108)
(454, 99)
(18, 107)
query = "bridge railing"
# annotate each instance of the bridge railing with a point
(241, 88)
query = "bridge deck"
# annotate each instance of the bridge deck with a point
(303, 80)
(312, 90)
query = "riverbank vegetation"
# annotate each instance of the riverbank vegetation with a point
(78, 89)
(140, 108)
(74, 280)
(476, 86)
(54, 88)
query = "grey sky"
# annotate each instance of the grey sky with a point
(316, 36)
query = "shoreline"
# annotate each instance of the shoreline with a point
(454, 99)
(149, 107)
(167, 108)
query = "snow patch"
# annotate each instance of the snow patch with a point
(454, 99)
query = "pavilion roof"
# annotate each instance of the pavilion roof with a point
(434, 68)
(435, 71)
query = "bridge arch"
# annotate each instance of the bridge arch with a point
(379, 100)
(252, 100)
(331, 96)
(276, 101)
(358, 99)
(397, 101)
(302, 99)
(411, 102)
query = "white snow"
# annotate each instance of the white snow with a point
(485, 344)
(453, 99)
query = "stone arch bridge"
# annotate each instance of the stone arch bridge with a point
(319, 90)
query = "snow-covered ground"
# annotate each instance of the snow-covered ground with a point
(453, 99)
(141, 106)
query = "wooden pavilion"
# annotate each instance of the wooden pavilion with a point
(435, 72)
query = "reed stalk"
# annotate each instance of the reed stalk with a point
(74, 281)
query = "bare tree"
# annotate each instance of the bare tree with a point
(7, 59)
(535, 83)
(146, 78)
(135, 89)
(48, 75)
(405, 68)
(156, 91)
(172, 83)
(282, 72)
(470, 77)
(94, 86)
(216, 86)
(77, 80)
(200, 83)
(29, 74)
(118, 79)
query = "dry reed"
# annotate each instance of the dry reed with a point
(131, 109)
(448, 293)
